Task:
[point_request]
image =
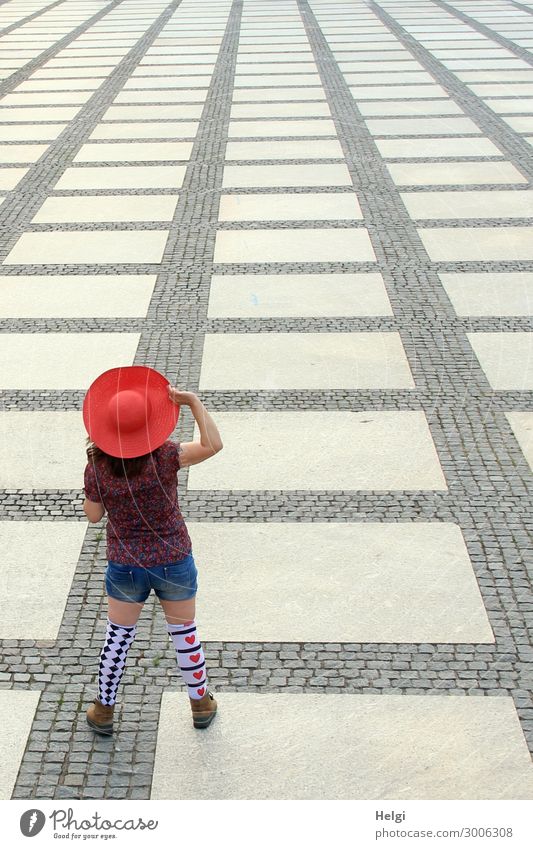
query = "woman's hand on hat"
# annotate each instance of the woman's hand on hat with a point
(177, 397)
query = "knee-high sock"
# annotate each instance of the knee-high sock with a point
(113, 660)
(190, 657)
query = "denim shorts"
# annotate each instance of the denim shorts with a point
(171, 581)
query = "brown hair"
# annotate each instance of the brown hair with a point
(120, 467)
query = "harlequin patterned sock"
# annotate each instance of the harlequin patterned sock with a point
(113, 660)
(190, 655)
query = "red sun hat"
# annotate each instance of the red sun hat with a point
(127, 411)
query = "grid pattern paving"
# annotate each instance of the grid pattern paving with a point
(316, 215)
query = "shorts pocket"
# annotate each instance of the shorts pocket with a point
(180, 578)
(119, 581)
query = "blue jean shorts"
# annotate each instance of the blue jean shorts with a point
(176, 581)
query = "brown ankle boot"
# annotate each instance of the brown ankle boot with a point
(203, 710)
(100, 717)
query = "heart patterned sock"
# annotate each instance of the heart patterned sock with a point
(190, 656)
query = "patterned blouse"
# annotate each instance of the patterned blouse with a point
(145, 526)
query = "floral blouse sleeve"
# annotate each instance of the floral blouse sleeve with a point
(90, 486)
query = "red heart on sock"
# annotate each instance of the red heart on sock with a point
(198, 674)
(190, 639)
(195, 657)
(201, 691)
(189, 623)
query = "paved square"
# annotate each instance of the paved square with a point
(42, 449)
(107, 208)
(304, 361)
(61, 360)
(18, 708)
(471, 204)
(75, 295)
(376, 752)
(455, 173)
(289, 207)
(522, 426)
(421, 126)
(38, 565)
(416, 148)
(134, 151)
(287, 149)
(122, 177)
(506, 358)
(241, 176)
(146, 130)
(241, 295)
(370, 449)
(309, 574)
(85, 247)
(484, 293)
(484, 244)
(301, 245)
(263, 129)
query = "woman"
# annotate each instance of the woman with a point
(129, 413)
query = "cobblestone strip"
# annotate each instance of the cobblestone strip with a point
(29, 18)
(75, 763)
(22, 74)
(464, 444)
(521, 52)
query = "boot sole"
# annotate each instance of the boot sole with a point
(203, 723)
(106, 730)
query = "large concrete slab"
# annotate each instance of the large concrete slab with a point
(310, 576)
(298, 245)
(86, 247)
(472, 204)
(264, 129)
(408, 107)
(75, 295)
(483, 293)
(419, 148)
(38, 564)
(506, 358)
(480, 244)
(107, 208)
(11, 177)
(122, 177)
(366, 449)
(38, 113)
(142, 112)
(134, 151)
(287, 149)
(306, 206)
(303, 361)
(18, 710)
(421, 126)
(146, 130)
(455, 173)
(282, 295)
(21, 152)
(30, 132)
(279, 110)
(521, 423)
(42, 449)
(281, 176)
(471, 748)
(61, 360)
(266, 94)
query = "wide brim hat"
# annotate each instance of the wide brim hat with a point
(127, 411)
